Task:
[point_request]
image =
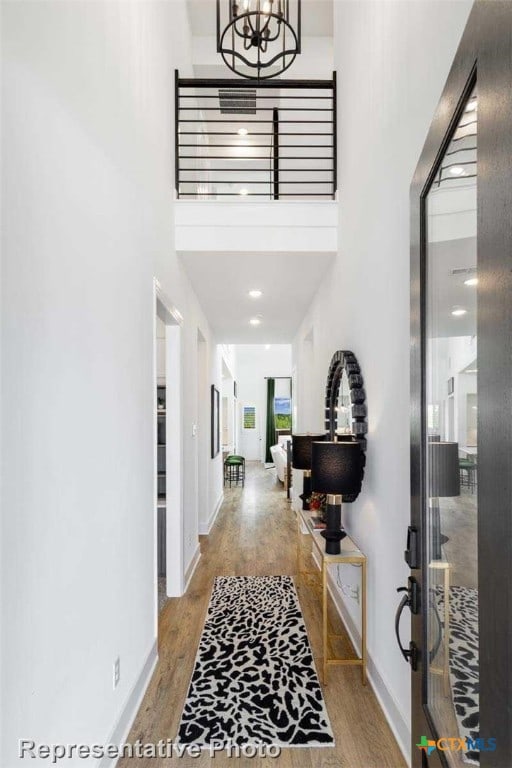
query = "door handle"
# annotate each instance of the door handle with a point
(411, 600)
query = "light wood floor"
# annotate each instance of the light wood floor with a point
(256, 534)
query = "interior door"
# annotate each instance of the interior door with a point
(460, 538)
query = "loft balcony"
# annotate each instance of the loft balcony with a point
(256, 165)
(265, 140)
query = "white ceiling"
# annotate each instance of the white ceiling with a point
(289, 282)
(316, 17)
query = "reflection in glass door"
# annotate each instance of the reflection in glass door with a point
(451, 365)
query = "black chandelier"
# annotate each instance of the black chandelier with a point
(256, 38)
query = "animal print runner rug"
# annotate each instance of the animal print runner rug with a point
(463, 663)
(254, 680)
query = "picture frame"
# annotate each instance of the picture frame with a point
(249, 417)
(215, 421)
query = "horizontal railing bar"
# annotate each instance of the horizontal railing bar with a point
(246, 181)
(253, 133)
(261, 109)
(459, 162)
(257, 170)
(258, 96)
(253, 194)
(258, 122)
(259, 146)
(230, 157)
(191, 82)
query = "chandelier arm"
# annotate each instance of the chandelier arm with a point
(241, 34)
(272, 39)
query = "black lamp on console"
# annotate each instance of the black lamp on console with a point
(444, 481)
(336, 470)
(301, 459)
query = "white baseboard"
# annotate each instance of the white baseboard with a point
(391, 710)
(131, 707)
(205, 528)
(192, 567)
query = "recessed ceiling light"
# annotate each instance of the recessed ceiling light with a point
(471, 281)
(256, 293)
(242, 131)
(457, 170)
(255, 321)
(459, 312)
(243, 192)
(267, 346)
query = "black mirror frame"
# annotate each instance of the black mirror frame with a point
(344, 361)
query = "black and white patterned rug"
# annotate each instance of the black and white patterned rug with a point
(254, 680)
(463, 662)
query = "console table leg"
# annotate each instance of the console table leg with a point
(324, 619)
(363, 620)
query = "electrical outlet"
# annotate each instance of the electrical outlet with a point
(116, 672)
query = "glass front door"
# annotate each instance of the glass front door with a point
(451, 442)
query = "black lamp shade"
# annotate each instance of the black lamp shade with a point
(444, 475)
(301, 449)
(336, 468)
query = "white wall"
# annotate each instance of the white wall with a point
(392, 60)
(87, 224)
(253, 363)
(284, 225)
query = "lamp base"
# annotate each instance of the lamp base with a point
(332, 541)
(306, 488)
(334, 532)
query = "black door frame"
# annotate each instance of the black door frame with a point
(485, 52)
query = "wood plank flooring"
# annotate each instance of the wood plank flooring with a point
(255, 534)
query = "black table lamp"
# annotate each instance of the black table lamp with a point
(301, 459)
(336, 469)
(443, 481)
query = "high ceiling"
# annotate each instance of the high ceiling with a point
(288, 281)
(316, 18)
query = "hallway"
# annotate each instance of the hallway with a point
(256, 534)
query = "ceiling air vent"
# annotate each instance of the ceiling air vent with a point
(234, 101)
(464, 271)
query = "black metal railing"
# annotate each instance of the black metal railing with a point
(267, 139)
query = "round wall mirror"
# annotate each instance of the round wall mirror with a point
(345, 401)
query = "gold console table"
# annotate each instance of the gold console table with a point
(351, 554)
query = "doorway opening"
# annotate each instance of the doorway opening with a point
(167, 431)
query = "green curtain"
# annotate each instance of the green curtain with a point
(271, 427)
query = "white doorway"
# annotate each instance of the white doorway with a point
(203, 437)
(167, 431)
